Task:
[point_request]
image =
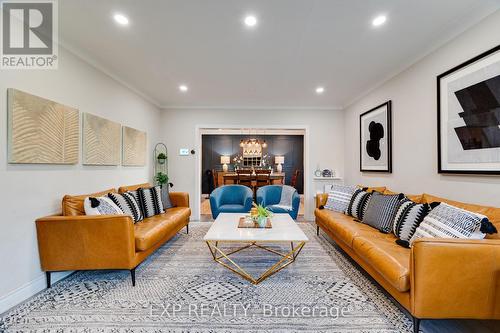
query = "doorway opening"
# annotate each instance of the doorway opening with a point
(223, 151)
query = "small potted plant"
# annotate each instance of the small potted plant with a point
(161, 178)
(261, 214)
(162, 158)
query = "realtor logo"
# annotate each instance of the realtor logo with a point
(29, 34)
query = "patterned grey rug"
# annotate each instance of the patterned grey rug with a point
(181, 289)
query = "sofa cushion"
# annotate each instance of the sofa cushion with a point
(493, 213)
(152, 229)
(72, 205)
(380, 211)
(339, 197)
(342, 226)
(358, 203)
(408, 218)
(150, 200)
(128, 204)
(446, 221)
(386, 257)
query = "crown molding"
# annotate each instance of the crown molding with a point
(254, 108)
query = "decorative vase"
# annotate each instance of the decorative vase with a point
(262, 221)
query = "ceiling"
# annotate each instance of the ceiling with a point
(296, 46)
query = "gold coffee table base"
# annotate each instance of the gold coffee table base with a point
(287, 259)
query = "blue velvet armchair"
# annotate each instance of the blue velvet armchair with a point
(231, 199)
(270, 196)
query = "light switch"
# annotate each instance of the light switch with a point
(184, 151)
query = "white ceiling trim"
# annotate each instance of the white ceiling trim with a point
(250, 108)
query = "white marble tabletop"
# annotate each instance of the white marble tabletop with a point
(284, 229)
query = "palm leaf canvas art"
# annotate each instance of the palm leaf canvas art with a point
(41, 131)
(101, 141)
(134, 147)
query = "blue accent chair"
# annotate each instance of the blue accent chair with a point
(270, 195)
(231, 199)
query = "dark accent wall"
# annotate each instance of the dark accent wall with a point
(290, 146)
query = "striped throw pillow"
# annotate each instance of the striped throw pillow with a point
(128, 205)
(380, 211)
(407, 219)
(339, 198)
(150, 199)
(358, 203)
(446, 221)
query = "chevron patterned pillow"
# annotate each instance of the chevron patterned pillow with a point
(128, 205)
(150, 199)
(407, 219)
(358, 203)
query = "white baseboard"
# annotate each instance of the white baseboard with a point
(29, 289)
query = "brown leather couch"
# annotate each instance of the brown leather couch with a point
(74, 241)
(436, 278)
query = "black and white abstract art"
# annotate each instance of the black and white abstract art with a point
(375, 139)
(469, 116)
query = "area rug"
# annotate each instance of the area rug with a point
(181, 289)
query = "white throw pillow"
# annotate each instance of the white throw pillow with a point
(101, 206)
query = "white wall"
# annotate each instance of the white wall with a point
(324, 142)
(31, 191)
(413, 95)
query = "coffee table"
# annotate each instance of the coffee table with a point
(225, 230)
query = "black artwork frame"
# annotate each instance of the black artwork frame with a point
(439, 99)
(388, 105)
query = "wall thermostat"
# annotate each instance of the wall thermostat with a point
(184, 151)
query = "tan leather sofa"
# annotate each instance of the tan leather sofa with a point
(74, 241)
(436, 278)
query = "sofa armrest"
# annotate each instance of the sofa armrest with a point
(321, 199)
(455, 278)
(248, 202)
(179, 199)
(86, 242)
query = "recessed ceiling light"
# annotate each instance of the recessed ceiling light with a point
(379, 20)
(121, 19)
(320, 90)
(250, 21)
(183, 88)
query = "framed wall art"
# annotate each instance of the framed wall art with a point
(375, 129)
(134, 147)
(101, 141)
(468, 111)
(41, 131)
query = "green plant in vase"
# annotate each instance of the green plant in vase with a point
(162, 158)
(262, 214)
(161, 178)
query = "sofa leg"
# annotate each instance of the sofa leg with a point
(416, 325)
(317, 230)
(47, 275)
(187, 228)
(132, 274)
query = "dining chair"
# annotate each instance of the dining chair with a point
(295, 178)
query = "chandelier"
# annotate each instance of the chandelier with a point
(253, 143)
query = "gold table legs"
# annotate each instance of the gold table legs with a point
(287, 259)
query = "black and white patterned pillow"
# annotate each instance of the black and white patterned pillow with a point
(150, 199)
(339, 198)
(101, 206)
(128, 205)
(446, 221)
(358, 203)
(380, 211)
(407, 219)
